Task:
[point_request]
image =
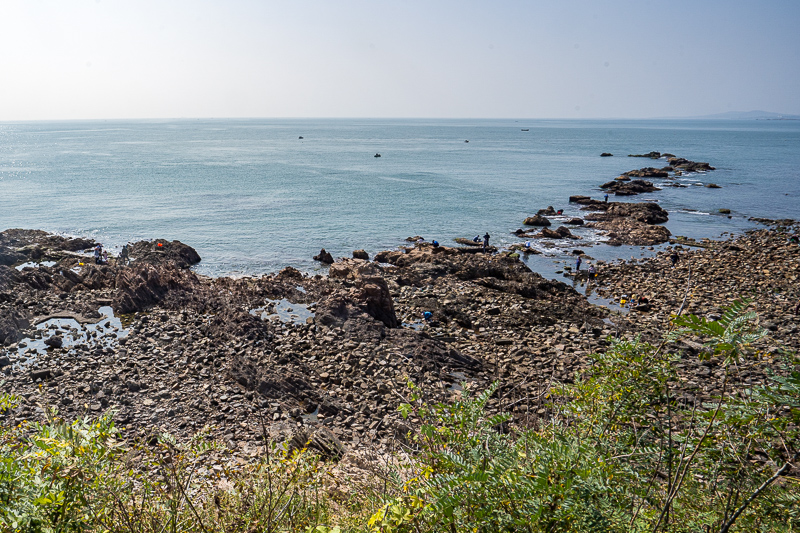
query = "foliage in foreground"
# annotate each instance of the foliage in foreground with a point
(623, 452)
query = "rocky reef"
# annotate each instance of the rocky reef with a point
(326, 358)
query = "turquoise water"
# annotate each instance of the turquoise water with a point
(252, 197)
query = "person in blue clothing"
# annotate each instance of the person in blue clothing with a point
(606, 197)
(486, 242)
(578, 264)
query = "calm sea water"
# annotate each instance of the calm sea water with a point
(252, 197)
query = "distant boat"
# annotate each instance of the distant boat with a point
(466, 141)
(301, 137)
(377, 155)
(526, 129)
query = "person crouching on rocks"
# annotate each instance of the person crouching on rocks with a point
(486, 242)
(674, 258)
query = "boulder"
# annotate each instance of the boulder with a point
(550, 212)
(574, 221)
(537, 220)
(162, 251)
(324, 257)
(56, 341)
(361, 254)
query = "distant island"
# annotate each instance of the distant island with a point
(747, 115)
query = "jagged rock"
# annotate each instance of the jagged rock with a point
(632, 232)
(647, 172)
(361, 254)
(689, 166)
(629, 188)
(560, 233)
(162, 251)
(647, 212)
(324, 257)
(550, 212)
(141, 286)
(651, 155)
(12, 325)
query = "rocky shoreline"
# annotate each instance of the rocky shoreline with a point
(328, 357)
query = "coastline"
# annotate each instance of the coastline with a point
(329, 356)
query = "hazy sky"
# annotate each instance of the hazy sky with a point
(64, 59)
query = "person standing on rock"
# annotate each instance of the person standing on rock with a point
(674, 258)
(123, 255)
(592, 272)
(97, 251)
(578, 264)
(606, 197)
(486, 242)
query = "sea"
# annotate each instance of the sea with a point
(256, 195)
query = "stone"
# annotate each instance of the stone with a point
(537, 220)
(324, 257)
(361, 254)
(56, 341)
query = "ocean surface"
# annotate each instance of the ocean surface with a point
(252, 196)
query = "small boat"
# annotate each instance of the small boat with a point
(466, 141)
(301, 137)
(524, 129)
(377, 155)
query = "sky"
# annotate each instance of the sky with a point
(106, 59)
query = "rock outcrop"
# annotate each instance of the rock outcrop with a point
(537, 220)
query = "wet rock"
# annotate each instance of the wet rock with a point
(361, 254)
(645, 212)
(651, 155)
(324, 257)
(537, 220)
(550, 212)
(161, 251)
(688, 166)
(54, 342)
(621, 188)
